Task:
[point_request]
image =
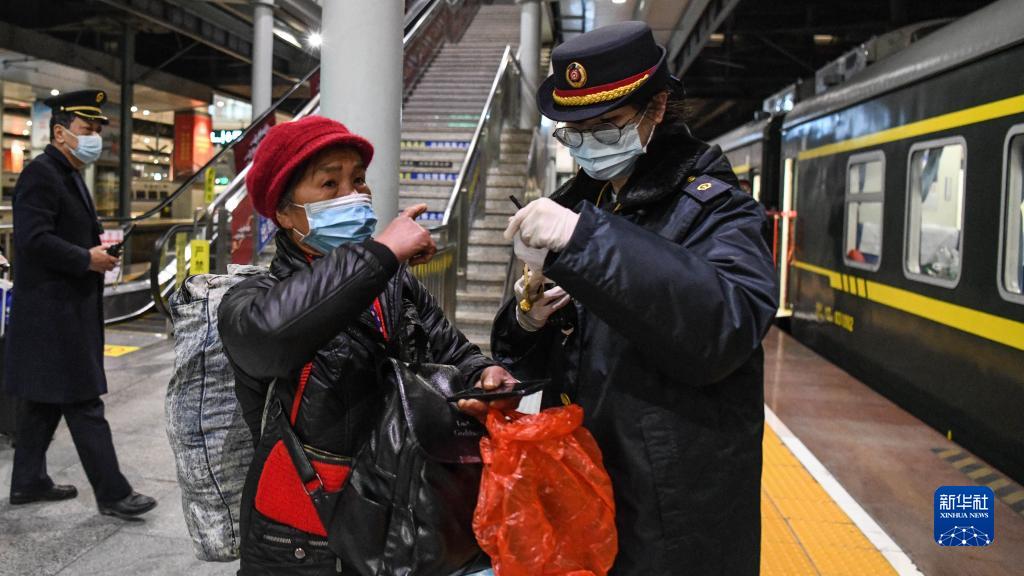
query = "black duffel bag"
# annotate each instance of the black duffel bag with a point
(407, 505)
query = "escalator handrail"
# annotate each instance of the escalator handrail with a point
(155, 288)
(187, 184)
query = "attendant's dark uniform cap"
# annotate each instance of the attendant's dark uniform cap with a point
(86, 104)
(602, 70)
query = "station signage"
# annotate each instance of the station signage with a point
(222, 137)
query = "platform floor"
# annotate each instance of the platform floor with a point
(844, 471)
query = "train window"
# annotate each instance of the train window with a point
(935, 209)
(865, 178)
(1011, 284)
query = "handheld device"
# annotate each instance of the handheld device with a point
(522, 388)
(115, 249)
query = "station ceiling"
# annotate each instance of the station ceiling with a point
(732, 54)
(185, 50)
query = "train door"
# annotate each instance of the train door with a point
(784, 221)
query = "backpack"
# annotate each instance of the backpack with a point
(211, 443)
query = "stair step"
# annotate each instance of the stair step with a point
(413, 191)
(491, 222)
(433, 204)
(475, 319)
(488, 254)
(513, 157)
(495, 270)
(505, 180)
(487, 237)
(500, 207)
(435, 139)
(480, 302)
(508, 168)
(424, 124)
(481, 281)
(455, 157)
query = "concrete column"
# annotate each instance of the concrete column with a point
(529, 60)
(361, 85)
(124, 205)
(262, 55)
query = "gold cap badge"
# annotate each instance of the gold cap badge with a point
(576, 75)
(704, 186)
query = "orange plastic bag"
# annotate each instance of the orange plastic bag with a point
(545, 505)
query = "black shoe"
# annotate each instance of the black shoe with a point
(129, 506)
(55, 492)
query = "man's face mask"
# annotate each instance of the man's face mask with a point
(346, 220)
(87, 148)
(610, 161)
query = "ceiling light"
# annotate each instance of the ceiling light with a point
(145, 140)
(145, 112)
(135, 108)
(220, 103)
(287, 37)
(29, 123)
(716, 38)
(24, 132)
(618, 1)
(315, 40)
(823, 39)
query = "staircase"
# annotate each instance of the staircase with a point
(438, 121)
(439, 117)
(489, 252)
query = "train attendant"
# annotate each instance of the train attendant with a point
(672, 290)
(313, 326)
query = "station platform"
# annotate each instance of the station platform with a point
(847, 484)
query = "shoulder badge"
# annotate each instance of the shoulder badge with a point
(704, 188)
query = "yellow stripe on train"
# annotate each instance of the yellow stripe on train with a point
(982, 324)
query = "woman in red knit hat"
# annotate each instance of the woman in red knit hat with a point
(333, 293)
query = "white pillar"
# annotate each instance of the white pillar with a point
(361, 85)
(529, 60)
(262, 55)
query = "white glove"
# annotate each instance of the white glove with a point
(542, 308)
(543, 224)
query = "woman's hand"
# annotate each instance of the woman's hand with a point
(409, 241)
(493, 378)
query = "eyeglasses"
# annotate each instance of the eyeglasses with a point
(605, 132)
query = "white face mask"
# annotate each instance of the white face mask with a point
(89, 147)
(610, 161)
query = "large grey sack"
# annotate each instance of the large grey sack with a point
(211, 443)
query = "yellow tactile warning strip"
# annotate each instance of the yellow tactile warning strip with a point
(116, 351)
(1011, 493)
(803, 531)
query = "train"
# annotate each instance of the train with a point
(896, 204)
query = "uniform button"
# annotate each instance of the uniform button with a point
(300, 553)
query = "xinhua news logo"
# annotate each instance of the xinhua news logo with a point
(964, 516)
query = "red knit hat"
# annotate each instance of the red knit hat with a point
(286, 147)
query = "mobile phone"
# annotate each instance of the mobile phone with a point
(115, 249)
(522, 388)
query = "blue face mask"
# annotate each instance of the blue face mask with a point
(610, 161)
(89, 148)
(346, 220)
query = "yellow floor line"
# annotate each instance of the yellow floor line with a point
(803, 531)
(112, 351)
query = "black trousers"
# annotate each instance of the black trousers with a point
(91, 435)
